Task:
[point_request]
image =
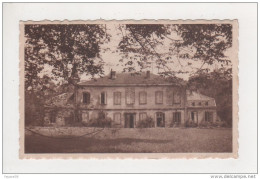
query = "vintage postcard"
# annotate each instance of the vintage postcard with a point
(129, 89)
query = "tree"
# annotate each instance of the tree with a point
(69, 50)
(168, 45)
(66, 50)
(217, 84)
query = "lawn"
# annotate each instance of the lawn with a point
(153, 140)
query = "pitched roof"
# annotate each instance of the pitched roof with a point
(127, 79)
(62, 100)
(193, 96)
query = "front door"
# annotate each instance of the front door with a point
(129, 120)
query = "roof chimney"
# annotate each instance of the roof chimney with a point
(148, 74)
(113, 75)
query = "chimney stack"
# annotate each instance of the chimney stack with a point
(148, 74)
(113, 75)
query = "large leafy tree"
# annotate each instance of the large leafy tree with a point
(217, 84)
(168, 45)
(68, 50)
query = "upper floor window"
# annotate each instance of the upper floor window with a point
(142, 97)
(207, 103)
(199, 103)
(158, 97)
(86, 98)
(103, 98)
(176, 98)
(193, 103)
(117, 98)
(130, 97)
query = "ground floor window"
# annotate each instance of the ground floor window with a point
(129, 120)
(177, 117)
(117, 118)
(53, 117)
(142, 116)
(208, 116)
(194, 116)
(160, 119)
(85, 116)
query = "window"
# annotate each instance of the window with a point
(177, 117)
(142, 97)
(130, 97)
(207, 103)
(103, 98)
(117, 118)
(142, 116)
(176, 98)
(85, 116)
(53, 117)
(208, 116)
(199, 103)
(117, 98)
(193, 103)
(86, 98)
(160, 120)
(158, 97)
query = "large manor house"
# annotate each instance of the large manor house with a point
(127, 98)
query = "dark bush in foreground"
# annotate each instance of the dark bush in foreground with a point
(218, 123)
(101, 121)
(190, 124)
(145, 123)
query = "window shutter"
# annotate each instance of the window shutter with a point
(105, 97)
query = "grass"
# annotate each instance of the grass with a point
(153, 140)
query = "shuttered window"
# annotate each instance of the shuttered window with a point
(117, 118)
(208, 116)
(142, 116)
(177, 117)
(103, 98)
(117, 98)
(130, 96)
(142, 97)
(86, 98)
(158, 97)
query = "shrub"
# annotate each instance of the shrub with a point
(190, 124)
(101, 121)
(175, 124)
(145, 123)
(214, 124)
(206, 124)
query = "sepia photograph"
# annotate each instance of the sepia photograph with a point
(129, 87)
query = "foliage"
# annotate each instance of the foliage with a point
(217, 84)
(191, 124)
(209, 40)
(68, 50)
(174, 124)
(101, 121)
(34, 112)
(145, 123)
(167, 45)
(218, 123)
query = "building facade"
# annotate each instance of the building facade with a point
(126, 99)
